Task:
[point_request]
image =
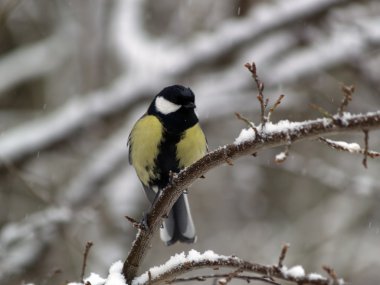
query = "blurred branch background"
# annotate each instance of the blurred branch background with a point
(75, 75)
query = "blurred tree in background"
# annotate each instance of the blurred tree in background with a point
(75, 75)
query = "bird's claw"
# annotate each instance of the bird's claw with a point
(144, 222)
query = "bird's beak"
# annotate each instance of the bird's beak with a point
(190, 105)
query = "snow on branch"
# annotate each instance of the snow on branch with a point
(183, 263)
(349, 147)
(250, 141)
(97, 169)
(270, 135)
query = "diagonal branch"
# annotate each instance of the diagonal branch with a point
(272, 135)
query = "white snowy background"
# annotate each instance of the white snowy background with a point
(75, 75)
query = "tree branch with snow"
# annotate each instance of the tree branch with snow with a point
(97, 60)
(183, 263)
(250, 141)
(271, 135)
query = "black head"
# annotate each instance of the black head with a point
(175, 105)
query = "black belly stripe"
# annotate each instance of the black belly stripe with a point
(166, 160)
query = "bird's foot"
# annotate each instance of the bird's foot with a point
(144, 222)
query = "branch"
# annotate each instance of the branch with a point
(347, 97)
(246, 278)
(272, 135)
(180, 264)
(366, 135)
(89, 244)
(351, 147)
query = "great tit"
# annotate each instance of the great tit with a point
(166, 139)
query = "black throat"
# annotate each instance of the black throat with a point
(174, 126)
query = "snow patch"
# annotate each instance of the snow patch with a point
(115, 276)
(294, 272)
(175, 261)
(245, 135)
(95, 279)
(351, 147)
(281, 156)
(315, 277)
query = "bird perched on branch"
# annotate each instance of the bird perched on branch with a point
(166, 139)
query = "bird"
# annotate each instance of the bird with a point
(166, 139)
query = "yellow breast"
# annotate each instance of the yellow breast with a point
(192, 146)
(145, 138)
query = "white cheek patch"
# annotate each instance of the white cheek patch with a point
(165, 107)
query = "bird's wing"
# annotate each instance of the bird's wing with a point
(192, 146)
(130, 137)
(144, 142)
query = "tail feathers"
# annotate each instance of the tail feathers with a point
(184, 222)
(179, 225)
(167, 231)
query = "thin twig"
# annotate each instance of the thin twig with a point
(249, 123)
(331, 272)
(366, 139)
(260, 87)
(347, 97)
(89, 244)
(284, 251)
(349, 147)
(135, 223)
(275, 105)
(266, 101)
(232, 275)
(262, 108)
